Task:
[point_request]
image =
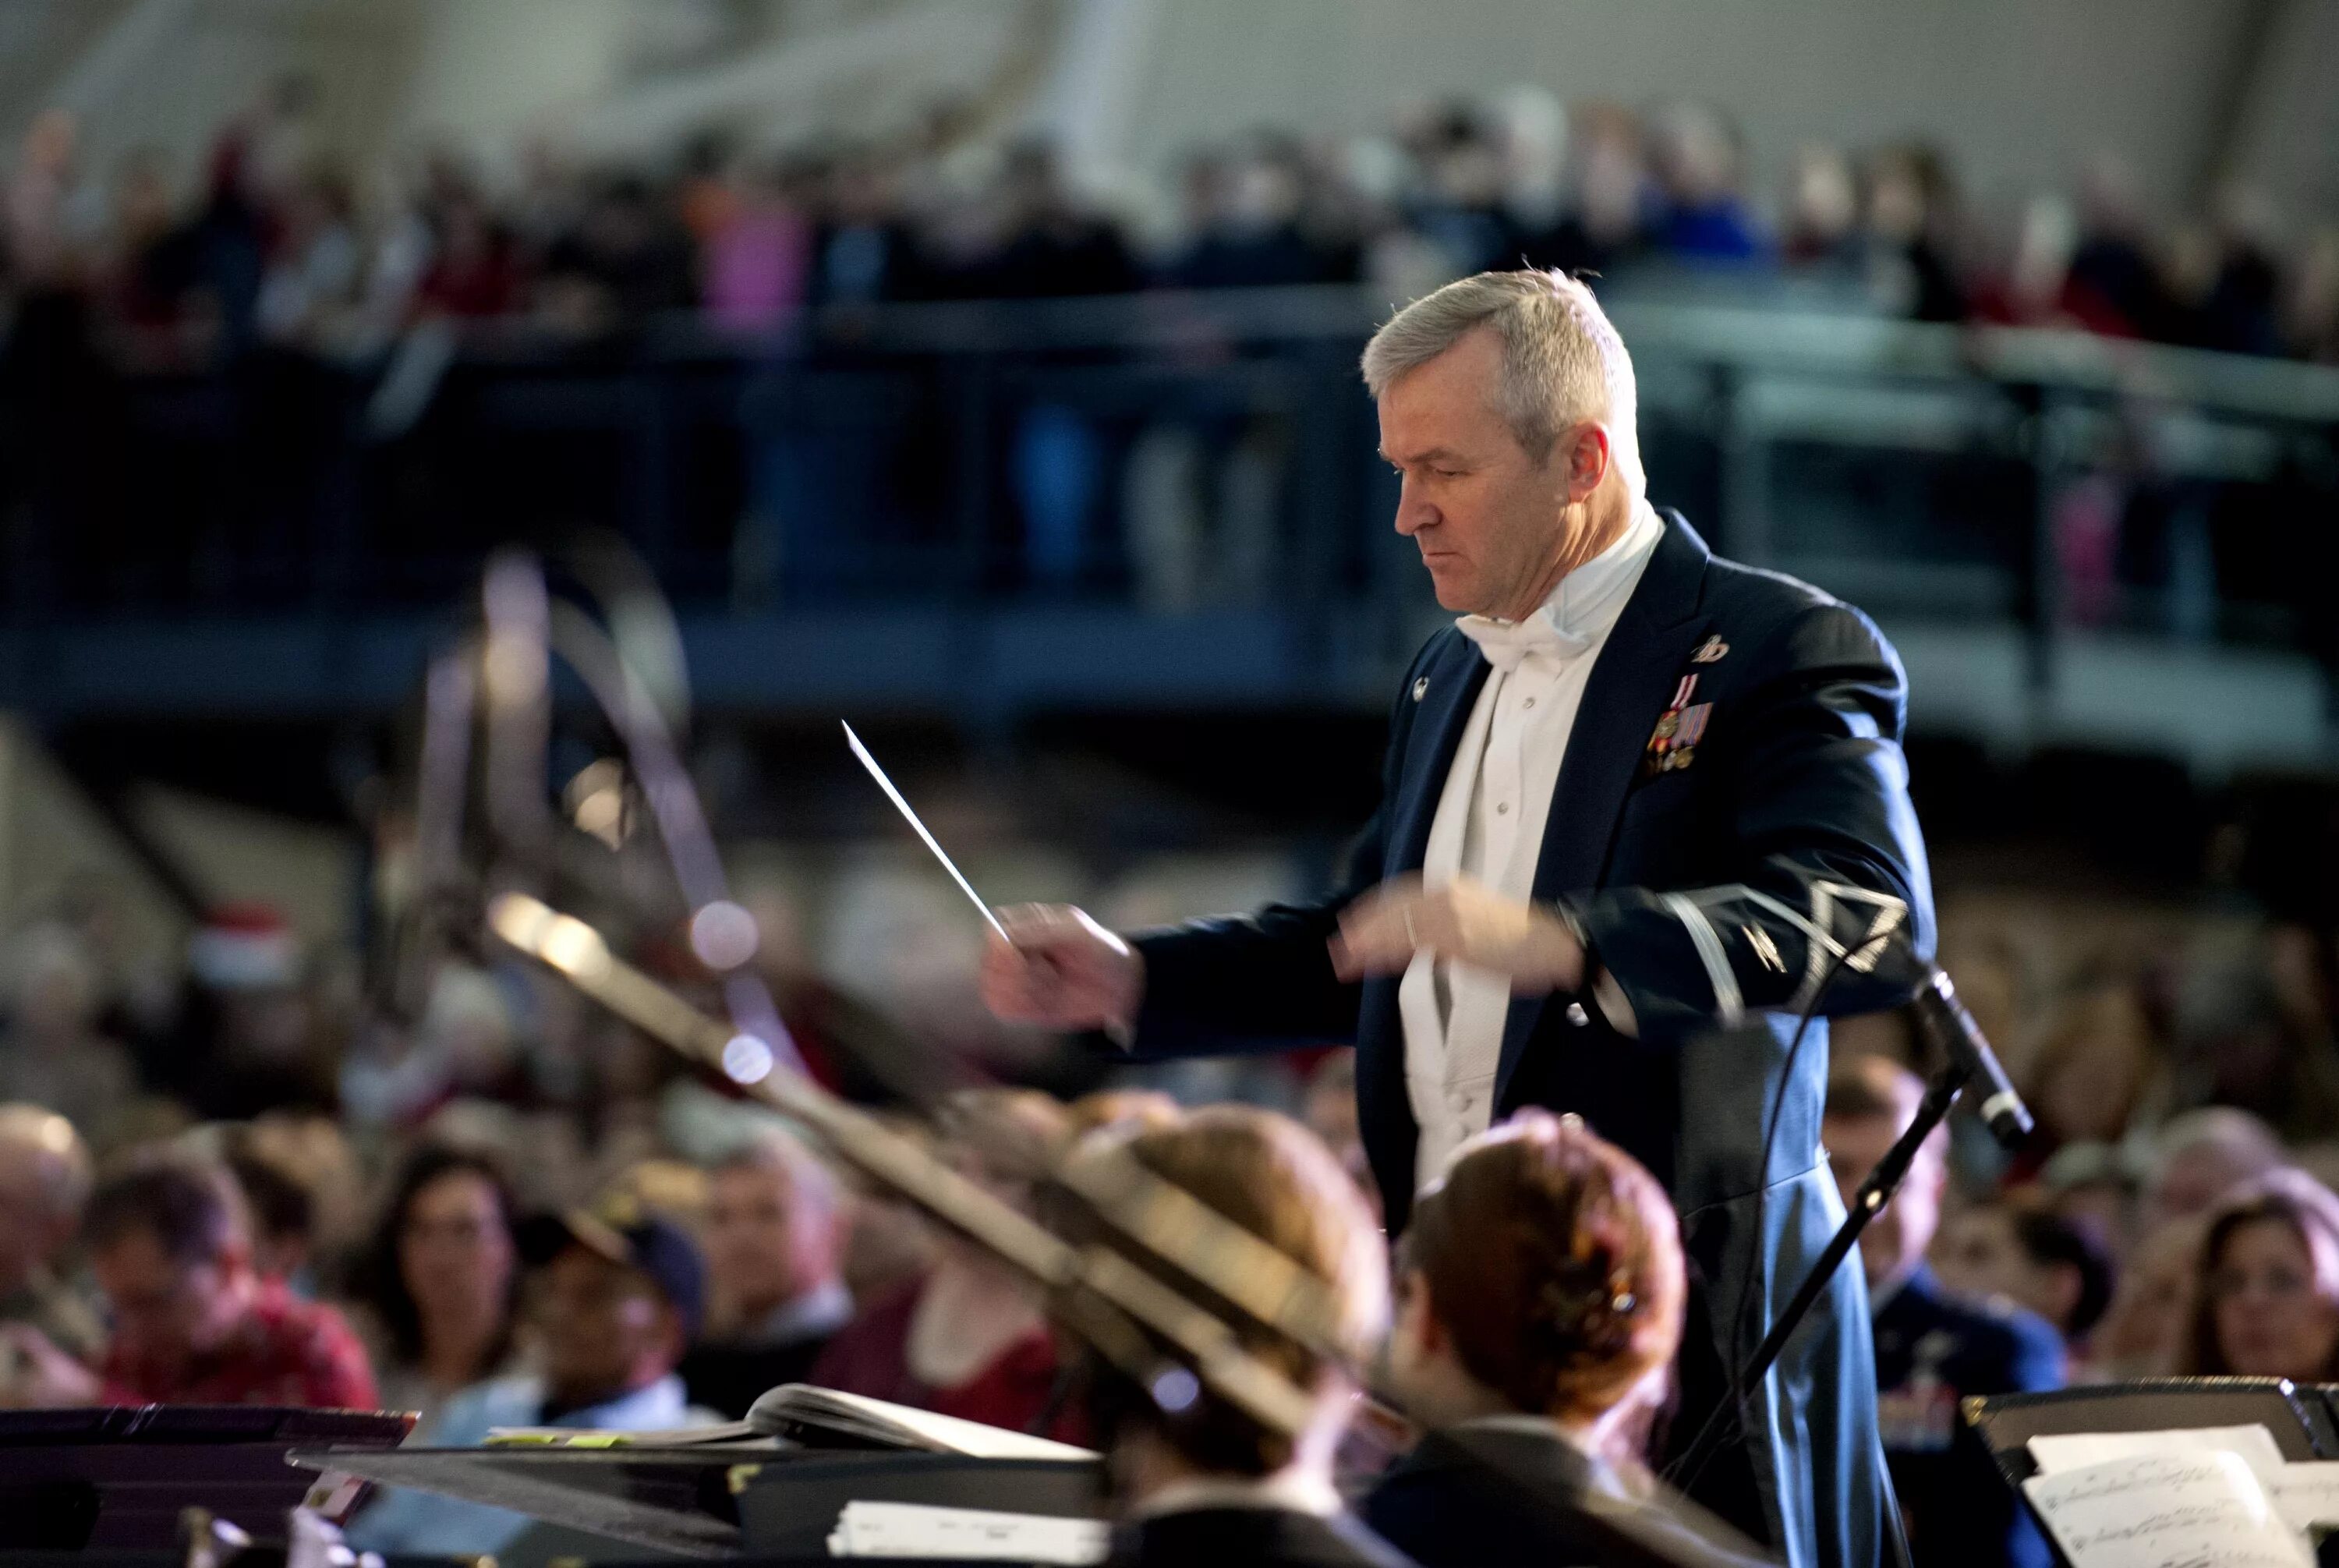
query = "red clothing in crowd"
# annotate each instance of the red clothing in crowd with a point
(871, 1356)
(287, 1351)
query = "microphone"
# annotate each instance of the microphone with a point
(1943, 1019)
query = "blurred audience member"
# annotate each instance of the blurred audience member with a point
(441, 1280)
(1911, 221)
(44, 1182)
(2253, 1032)
(774, 1245)
(1822, 211)
(54, 1055)
(889, 1246)
(2265, 1300)
(2089, 1185)
(755, 268)
(1539, 1308)
(1242, 219)
(2201, 1156)
(170, 1245)
(1932, 1348)
(283, 1214)
(245, 1039)
(617, 1298)
(2143, 1331)
(1700, 166)
(2114, 285)
(474, 269)
(2095, 1068)
(1213, 1485)
(969, 1339)
(2022, 1252)
(626, 259)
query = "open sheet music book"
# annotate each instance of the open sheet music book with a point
(800, 1410)
(2166, 1510)
(2174, 1499)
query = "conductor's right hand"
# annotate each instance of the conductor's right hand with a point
(1060, 970)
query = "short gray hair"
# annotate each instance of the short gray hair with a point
(1563, 361)
(775, 1148)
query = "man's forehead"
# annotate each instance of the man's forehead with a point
(1445, 404)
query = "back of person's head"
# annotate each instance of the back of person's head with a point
(191, 1208)
(1269, 1176)
(1554, 1261)
(2277, 1314)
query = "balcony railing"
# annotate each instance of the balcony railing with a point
(1036, 481)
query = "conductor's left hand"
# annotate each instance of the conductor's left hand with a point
(1461, 919)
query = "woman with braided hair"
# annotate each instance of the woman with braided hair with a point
(1540, 1298)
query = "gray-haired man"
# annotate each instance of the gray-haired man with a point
(1637, 802)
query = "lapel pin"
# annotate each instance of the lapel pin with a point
(1421, 688)
(1709, 651)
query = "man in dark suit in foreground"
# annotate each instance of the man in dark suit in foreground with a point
(1641, 805)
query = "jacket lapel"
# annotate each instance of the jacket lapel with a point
(1456, 676)
(1636, 673)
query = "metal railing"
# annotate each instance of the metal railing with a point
(1165, 455)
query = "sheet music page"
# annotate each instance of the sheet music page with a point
(908, 1426)
(2307, 1496)
(2069, 1450)
(966, 1534)
(2204, 1509)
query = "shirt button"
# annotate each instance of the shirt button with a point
(1576, 1015)
(1502, 808)
(1529, 703)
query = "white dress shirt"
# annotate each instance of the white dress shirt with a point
(1490, 826)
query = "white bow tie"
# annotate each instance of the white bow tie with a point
(1506, 643)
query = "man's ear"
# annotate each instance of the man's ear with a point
(1588, 455)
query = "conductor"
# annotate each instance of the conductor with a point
(1641, 806)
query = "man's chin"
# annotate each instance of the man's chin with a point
(1453, 594)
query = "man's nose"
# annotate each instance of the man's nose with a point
(1413, 513)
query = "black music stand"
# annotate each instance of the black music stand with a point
(119, 1479)
(774, 1504)
(2298, 1418)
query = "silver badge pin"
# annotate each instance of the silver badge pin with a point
(1421, 688)
(1708, 651)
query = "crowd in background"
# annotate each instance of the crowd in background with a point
(270, 240)
(239, 1177)
(239, 1180)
